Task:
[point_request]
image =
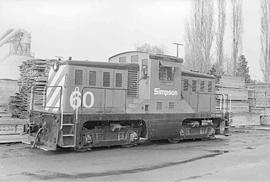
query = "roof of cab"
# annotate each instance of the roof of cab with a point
(99, 64)
(153, 56)
(196, 74)
(164, 57)
(126, 52)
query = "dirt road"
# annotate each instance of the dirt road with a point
(243, 156)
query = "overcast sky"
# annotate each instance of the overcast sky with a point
(98, 29)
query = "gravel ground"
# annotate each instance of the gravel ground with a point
(242, 156)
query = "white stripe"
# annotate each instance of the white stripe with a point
(50, 73)
(55, 110)
(49, 89)
(56, 77)
(55, 93)
(57, 105)
(53, 97)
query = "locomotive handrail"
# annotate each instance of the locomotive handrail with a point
(44, 105)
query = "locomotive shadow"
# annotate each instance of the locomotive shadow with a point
(142, 145)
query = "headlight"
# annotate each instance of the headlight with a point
(55, 66)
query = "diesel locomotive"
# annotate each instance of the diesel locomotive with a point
(134, 96)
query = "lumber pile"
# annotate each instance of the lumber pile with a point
(231, 82)
(238, 93)
(259, 97)
(33, 72)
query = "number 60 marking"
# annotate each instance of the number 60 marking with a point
(92, 99)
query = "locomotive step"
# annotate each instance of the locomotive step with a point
(68, 146)
(68, 124)
(68, 135)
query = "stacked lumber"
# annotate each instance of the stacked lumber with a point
(231, 82)
(238, 93)
(33, 75)
(259, 97)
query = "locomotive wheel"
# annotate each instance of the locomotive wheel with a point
(173, 140)
(221, 128)
(211, 132)
(133, 139)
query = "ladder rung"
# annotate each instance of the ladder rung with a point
(68, 135)
(66, 146)
(68, 124)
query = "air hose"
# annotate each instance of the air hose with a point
(36, 138)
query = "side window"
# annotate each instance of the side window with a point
(118, 80)
(171, 105)
(106, 79)
(134, 59)
(146, 107)
(78, 77)
(159, 106)
(165, 73)
(193, 86)
(209, 86)
(185, 84)
(202, 86)
(122, 59)
(144, 68)
(92, 78)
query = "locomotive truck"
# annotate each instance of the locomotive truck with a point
(134, 96)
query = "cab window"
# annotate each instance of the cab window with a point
(185, 84)
(92, 78)
(144, 68)
(202, 86)
(118, 80)
(78, 77)
(106, 79)
(122, 59)
(194, 85)
(134, 59)
(165, 73)
(209, 86)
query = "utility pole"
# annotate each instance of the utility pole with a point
(177, 45)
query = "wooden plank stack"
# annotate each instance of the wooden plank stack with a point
(259, 97)
(33, 72)
(235, 88)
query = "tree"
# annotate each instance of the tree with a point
(213, 71)
(199, 36)
(220, 34)
(149, 48)
(237, 29)
(242, 69)
(265, 38)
